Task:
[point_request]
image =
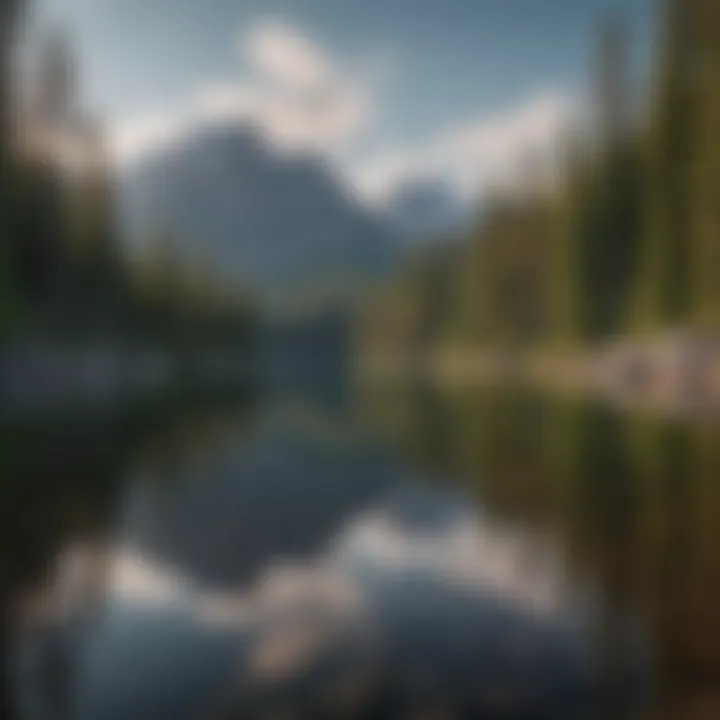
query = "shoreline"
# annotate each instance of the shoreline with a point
(40, 377)
(674, 372)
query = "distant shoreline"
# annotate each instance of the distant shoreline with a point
(41, 378)
(675, 372)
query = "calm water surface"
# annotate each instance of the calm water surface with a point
(398, 553)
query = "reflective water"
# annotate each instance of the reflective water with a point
(399, 553)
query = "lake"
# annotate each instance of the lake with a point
(400, 551)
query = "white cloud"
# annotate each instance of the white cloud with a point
(297, 93)
(294, 91)
(133, 577)
(481, 154)
(283, 54)
(472, 553)
(324, 120)
(135, 138)
(303, 98)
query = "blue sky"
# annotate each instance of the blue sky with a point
(399, 79)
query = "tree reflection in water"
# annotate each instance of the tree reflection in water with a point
(484, 553)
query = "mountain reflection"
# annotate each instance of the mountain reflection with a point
(302, 564)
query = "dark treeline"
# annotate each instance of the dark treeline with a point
(626, 240)
(64, 269)
(61, 490)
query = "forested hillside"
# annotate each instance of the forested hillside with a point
(66, 272)
(627, 241)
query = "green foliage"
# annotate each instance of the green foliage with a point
(63, 269)
(629, 241)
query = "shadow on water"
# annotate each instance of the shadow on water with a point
(492, 554)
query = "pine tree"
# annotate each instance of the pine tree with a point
(664, 289)
(704, 174)
(9, 14)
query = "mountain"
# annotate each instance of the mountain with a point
(427, 208)
(284, 226)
